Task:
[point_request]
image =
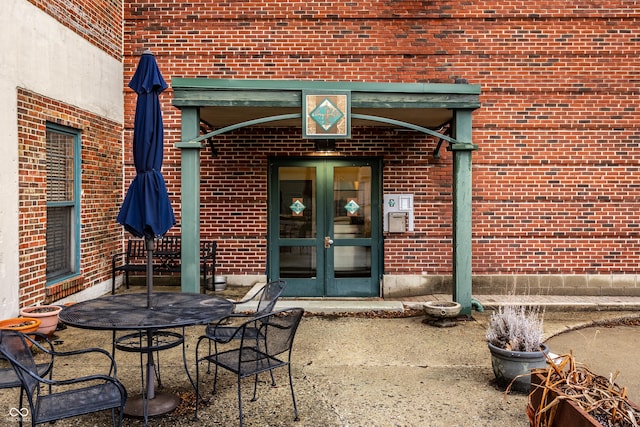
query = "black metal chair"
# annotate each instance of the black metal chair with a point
(268, 297)
(250, 356)
(76, 396)
(8, 377)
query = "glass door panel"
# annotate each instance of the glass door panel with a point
(350, 267)
(297, 229)
(351, 261)
(323, 223)
(299, 261)
(352, 201)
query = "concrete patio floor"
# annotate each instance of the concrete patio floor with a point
(355, 370)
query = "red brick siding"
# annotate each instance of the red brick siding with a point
(555, 179)
(98, 21)
(100, 198)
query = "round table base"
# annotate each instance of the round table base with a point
(160, 404)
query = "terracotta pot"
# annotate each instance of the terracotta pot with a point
(21, 324)
(48, 315)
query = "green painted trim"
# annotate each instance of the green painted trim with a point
(195, 142)
(76, 225)
(179, 83)
(192, 142)
(463, 146)
(462, 212)
(406, 125)
(190, 207)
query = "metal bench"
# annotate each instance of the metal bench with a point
(166, 259)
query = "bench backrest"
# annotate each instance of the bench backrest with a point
(166, 247)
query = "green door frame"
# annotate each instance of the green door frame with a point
(246, 100)
(336, 287)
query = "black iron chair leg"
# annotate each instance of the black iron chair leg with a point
(215, 380)
(255, 389)
(21, 405)
(197, 386)
(239, 401)
(293, 395)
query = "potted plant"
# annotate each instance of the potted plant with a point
(21, 324)
(514, 336)
(48, 315)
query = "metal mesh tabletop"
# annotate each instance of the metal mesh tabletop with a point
(130, 311)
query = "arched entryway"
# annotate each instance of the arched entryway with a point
(227, 105)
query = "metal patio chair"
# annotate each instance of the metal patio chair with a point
(77, 396)
(250, 357)
(8, 377)
(268, 297)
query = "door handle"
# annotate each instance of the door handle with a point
(327, 242)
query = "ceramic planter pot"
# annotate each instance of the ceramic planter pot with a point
(48, 315)
(21, 324)
(514, 367)
(441, 313)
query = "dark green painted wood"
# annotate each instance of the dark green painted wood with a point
(191, 94)
(325, 284)
(190, 208)
(288, 93)
(462, 210)
(227, 84)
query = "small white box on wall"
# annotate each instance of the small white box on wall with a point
(398, 203)
(397, 222)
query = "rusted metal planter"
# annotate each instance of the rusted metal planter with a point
(566, 413)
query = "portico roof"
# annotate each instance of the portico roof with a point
(224, 105)
(226, 102)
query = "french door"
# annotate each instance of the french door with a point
(325, 226)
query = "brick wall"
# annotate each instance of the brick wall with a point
(100, 198)
(555, 179)
(98, 21)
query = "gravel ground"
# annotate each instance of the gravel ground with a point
(348, 371)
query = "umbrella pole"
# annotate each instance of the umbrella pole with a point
(149, 245)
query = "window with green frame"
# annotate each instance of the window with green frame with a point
(63, 202)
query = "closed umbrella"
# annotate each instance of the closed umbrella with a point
(146, 210)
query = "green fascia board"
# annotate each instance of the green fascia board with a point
(236, 98)
(249, 84)
(201, 92)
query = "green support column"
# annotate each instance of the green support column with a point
(462, 185)
(190, 196)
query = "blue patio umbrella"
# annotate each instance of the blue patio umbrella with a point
(146, 210)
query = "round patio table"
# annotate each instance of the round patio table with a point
(148, 313)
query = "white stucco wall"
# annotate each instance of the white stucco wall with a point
(41, 55)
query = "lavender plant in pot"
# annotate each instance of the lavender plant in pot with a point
(514, 336)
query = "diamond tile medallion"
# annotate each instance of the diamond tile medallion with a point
(297, 207)
(326, 114)
(352, 207)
